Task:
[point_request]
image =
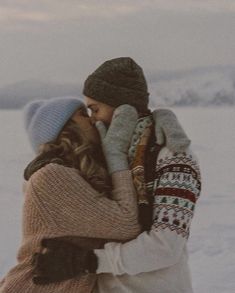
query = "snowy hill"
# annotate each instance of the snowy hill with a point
(16, 95)
(213, 86)
(208, 86)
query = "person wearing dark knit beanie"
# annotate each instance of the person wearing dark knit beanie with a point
(118, 81)
(166, 177)
(121, 81)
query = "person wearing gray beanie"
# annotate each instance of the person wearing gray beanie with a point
(71, 197)
(167, 179)
(44, 119)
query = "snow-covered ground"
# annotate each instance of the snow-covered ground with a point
(212, 240)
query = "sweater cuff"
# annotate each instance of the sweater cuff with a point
(103, 263)
(120, 176)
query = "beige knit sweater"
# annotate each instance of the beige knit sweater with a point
(59, 203)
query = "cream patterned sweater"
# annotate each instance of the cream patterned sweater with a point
(59, 203)
(157, 261)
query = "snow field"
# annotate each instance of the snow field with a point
(212, 239)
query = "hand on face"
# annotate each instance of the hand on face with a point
(116, 139)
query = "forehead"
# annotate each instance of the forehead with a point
(91, 102)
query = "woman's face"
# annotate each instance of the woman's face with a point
(82, 118)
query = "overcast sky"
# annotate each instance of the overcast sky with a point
(63, 41)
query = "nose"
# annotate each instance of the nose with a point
(93, 120)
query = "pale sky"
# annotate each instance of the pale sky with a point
(64, 41)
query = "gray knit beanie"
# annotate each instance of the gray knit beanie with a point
(118, 81)
(44, 119)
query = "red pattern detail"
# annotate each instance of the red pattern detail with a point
(178, 230)
(181, 168)
(178, 192)
(179, 159)
(168, 221)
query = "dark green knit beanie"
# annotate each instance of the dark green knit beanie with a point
(118, 81)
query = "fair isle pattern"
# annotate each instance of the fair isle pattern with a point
(181, 181)
(139, 184)
(142, 124)
(178, 188)
(151, 185)
(173, 217)
(174, 201)
(137, 154)
(179, 158)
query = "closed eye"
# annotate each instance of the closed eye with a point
(93, 109)
(84, 112)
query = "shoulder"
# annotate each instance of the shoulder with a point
(188, 152)
(54, 173)
(53, 168)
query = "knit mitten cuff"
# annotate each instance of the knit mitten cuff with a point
(117, 162)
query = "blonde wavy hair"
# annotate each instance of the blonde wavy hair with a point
(74, 150)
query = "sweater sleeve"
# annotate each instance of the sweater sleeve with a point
(71, 206)
(177, 190)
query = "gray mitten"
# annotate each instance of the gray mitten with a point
(168, 130)
(116, 139)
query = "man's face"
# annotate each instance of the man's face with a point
(100, 111)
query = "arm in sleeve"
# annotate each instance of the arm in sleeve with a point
(73, 206)
(178, 188)
(2, 282)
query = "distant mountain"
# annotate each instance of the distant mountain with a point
(205, 86)
(208, 86)
(18, 94)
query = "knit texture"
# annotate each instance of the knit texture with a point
(44, 119)
(142, 156)
(118, 81)
(157, 261)
(116, 139)
(169, 131)
(60, 203)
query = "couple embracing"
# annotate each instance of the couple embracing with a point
(109, 198)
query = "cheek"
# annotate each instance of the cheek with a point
(106, 116)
